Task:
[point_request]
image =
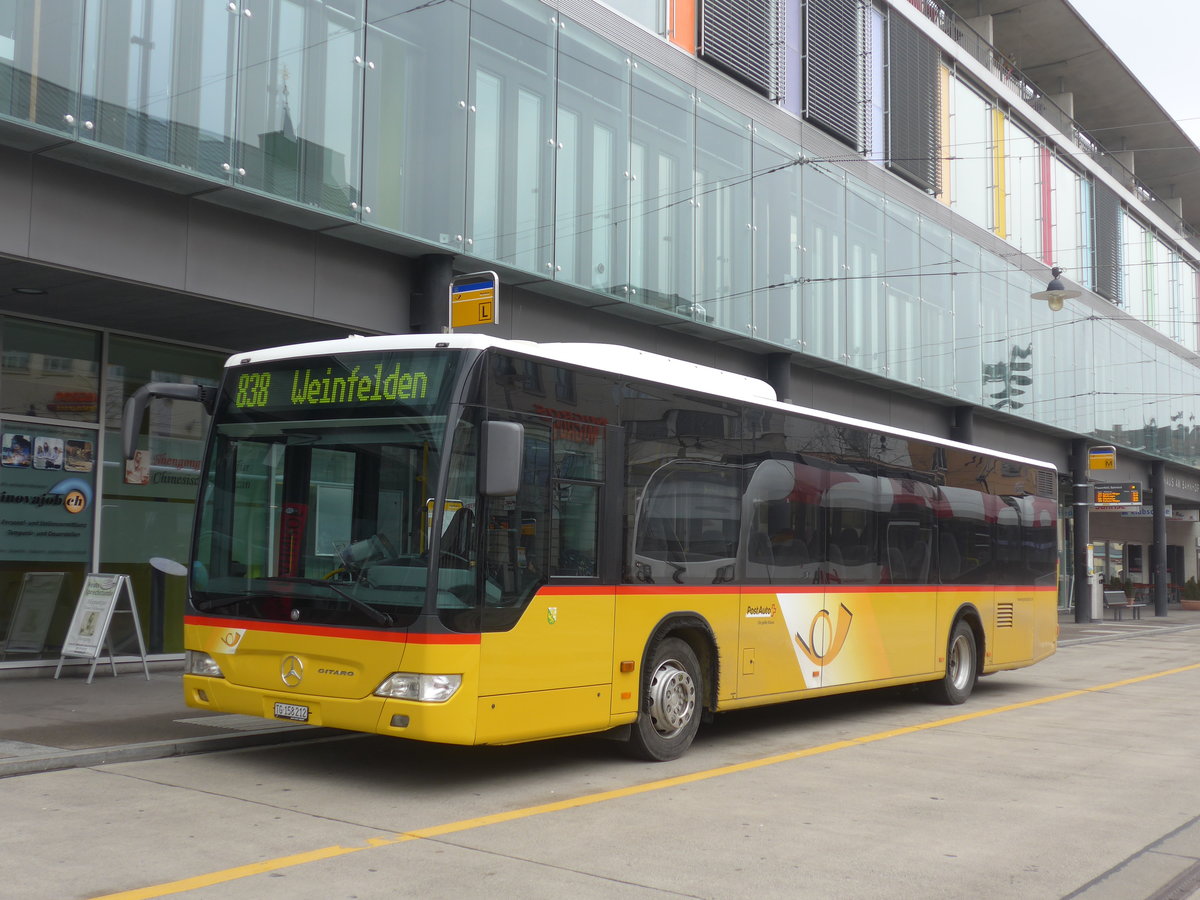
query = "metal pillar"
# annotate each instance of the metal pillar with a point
(1081, 510)
(1158, 551)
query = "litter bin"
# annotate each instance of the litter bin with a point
(160, 568)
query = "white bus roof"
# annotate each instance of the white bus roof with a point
(616, 359)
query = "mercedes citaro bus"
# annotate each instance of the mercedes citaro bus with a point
(467, 540)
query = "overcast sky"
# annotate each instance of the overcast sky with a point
(1157, 40)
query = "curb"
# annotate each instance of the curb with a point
(98, 756)
(1101, 638)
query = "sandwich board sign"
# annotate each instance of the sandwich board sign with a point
(88, 633)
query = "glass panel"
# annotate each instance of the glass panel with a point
(650, 14)
(49, 371)
(777, 203)
(1068, 232)
(417, 89)
(148, 504)
(48, 479)
(937, 308)
(968, 349)
(824, 218)
(997, 348)
(161, 77)
(723, 221)
(866, 278)
(905, 337)
(510, 191)
(39, 62)
(1024, 191)
(661, 200)
(299, 92)
(971, 163)
(1024, 366)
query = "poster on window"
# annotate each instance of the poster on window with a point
(34, 610)
(47, 493)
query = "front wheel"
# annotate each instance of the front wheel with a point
(961, 668)
(669, 714)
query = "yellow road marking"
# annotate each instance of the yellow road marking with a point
(296, 859)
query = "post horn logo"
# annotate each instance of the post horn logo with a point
(291, 671)
(822, 620)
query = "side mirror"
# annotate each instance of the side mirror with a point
(135, 407)
(503, 446)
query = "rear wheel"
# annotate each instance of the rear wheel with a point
(669, 713)
(962, 666)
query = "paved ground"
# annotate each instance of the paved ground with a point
(48, 724)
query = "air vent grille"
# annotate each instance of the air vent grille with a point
(1004, 615)
(1045, 485)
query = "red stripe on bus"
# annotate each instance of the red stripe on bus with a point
(355, 634)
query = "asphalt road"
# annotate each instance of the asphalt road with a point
(1073, 778)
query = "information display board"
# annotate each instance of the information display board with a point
(1127, 493)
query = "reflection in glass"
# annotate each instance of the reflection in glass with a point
(661, 201)
(777, 203)
(39, 63)
(299, 92)
(724, 239)
(592, 191)
(160, 76)
(510, 170)
(823, 221)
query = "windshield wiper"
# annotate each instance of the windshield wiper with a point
(362, 606)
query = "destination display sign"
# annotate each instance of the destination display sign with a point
(1124, 494)
(341, 382)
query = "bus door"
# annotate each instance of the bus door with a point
(546, 649)
(783, 593)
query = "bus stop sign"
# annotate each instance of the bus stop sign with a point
(475, 300)
(1102, 457)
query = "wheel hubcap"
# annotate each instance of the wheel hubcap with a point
(960, 663)
(672, 698)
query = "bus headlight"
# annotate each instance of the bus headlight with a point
(197, 663)
(426, 688)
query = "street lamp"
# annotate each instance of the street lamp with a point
(1055, 293)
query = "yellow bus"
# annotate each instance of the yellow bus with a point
(467, 540)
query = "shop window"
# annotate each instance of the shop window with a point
(53, 374)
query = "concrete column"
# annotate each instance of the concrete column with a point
(429, 307)
(779, 375)
(962, 424)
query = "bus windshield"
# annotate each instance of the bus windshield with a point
(318, 492)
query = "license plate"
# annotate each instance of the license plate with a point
(291, 712)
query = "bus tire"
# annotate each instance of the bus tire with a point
(672, 696)
(962, 667)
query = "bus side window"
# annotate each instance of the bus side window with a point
(516, 539)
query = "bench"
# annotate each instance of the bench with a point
(1118, 603)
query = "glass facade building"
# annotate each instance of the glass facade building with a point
(832, 181)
